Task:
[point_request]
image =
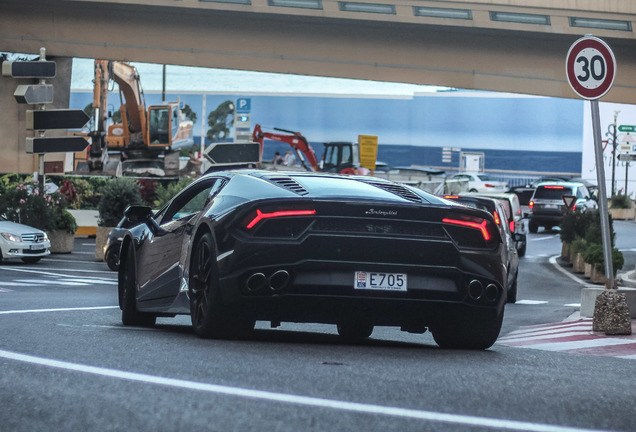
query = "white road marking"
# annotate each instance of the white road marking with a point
(5, 289)
(431, 416)
(573, 345)
(39, 271)
(531, 302)
(543, 238)
(576, 305)
(565, 272)
(23, 311)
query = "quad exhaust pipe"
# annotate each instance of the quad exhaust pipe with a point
(477, 291)
(277, 281)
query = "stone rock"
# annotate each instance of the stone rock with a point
(611, 314)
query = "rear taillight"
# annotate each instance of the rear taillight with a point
(488, 185)
(451, 196)
(553, 187)
(574, 207)
(496, 216)
(475, 223)
(275, 214)
(512, 226)
(531, 204)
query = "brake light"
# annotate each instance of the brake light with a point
(512, 226)
(482, 226)
(531, 204)
(553, 187)
(496, 216)
(260, 215)
(489, 185)
(451, 196)
(574, 207)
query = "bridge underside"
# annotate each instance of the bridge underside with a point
(251, 37)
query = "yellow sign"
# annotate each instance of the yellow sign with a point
(368, 151)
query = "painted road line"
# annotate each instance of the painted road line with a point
(568, 274)
(25, 311)
(291, 399)
(530, 302)
(48, 273)
(543, 238)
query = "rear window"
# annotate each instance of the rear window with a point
(552, 192)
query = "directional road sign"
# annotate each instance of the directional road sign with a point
(34, 94)
(56, 144)
(627, 157)
(29, 69)
(233, 153)
(627, 128)
(590, 67)
(55, 119)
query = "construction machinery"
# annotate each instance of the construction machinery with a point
(339, 157)
(147, 140)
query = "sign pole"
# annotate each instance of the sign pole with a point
(602, 193)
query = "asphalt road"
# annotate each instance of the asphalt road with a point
(68, 364)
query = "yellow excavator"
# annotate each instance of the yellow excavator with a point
(146, 142)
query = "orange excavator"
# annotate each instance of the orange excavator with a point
(146, 141)
(339, 157)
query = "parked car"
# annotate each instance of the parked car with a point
(514, 217)
(495, 206)
(547, 206)
(355, 251)
(22, 241)
(481, 182)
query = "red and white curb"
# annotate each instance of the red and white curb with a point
(574, 337)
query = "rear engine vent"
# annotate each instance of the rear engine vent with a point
(289, 184)
(397, 189)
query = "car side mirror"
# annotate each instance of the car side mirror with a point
(143, 214)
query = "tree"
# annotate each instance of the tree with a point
(220, 120)
(190, 115)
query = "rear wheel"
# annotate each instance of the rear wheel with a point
(533, 227)
(479, 332)
(210, 317)
(130, 316)
(522, 250)
(512, 292)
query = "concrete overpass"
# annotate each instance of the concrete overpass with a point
(514, 46)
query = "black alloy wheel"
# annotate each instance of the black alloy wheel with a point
(130, 316)
(210, 317)
(112, 259)
(512, 292)
(533, 227)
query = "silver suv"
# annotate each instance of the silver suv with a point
(547, 206)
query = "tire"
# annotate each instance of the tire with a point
(355, 331)
(112, 259)
(512, 292)
(473, 190)
(533, 227)
(210, 317)
(522, 250)
(130, 316)
(31, 260)
(478, 331)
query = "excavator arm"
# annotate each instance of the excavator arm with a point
(295, 140)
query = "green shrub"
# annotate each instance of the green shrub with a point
(568, 226)
(620, 202)
(594, 255)
(579, 245)
(65, 221)
(164, 193)
(116, 195)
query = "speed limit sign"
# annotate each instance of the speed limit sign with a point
(590, 67)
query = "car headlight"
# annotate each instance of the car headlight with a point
(11, 237)
(46, 236)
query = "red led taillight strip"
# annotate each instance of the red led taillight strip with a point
(480, 226)
(260, 215)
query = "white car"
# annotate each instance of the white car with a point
(481, 182)
(22, 241)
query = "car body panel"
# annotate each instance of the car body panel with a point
(320, 229)
(22, 241)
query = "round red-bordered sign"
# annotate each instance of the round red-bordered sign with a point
(590, 67)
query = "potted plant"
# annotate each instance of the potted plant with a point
(568, 232)
(116, 195)
(621, 207)
(594, 256)
(62, 237)
(578, 247)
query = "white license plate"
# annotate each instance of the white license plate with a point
(36, 248)
(380, 281)
(551, 206)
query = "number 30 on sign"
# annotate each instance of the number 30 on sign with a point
(590, 67)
